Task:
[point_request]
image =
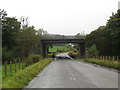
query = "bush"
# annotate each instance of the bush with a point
(33, 58)
(92, 51)
(73, 54)
(7, 54)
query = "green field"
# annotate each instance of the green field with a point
(55, 48)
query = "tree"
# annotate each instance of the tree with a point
(107, 38)
(27, 40)
(92, 51)
(10, 29)
(80, 35)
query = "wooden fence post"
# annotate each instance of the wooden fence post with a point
(113, 58)
(97, 57)
(10, 66)
(106, 57)
(19, 63)
(22, 64)
(110, 58)
(5, 68)
(25, 62)
(117, 58)
(15, 66)
(103, 57)
(100, 57)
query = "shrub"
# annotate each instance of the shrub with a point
(6, 54)
(92, 51)
(33, 58)
(73, 54)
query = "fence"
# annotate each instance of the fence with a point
(112, 58)
(10, 67)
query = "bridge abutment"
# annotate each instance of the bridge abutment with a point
(82, 50)
(44, 50)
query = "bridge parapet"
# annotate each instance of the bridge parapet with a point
(62, 40)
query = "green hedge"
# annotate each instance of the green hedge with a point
(21, 78)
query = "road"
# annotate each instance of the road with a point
(74, 74)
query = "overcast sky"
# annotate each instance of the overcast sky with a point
(67, 17)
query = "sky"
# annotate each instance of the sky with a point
(66, 17)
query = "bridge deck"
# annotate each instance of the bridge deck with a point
(62, 40)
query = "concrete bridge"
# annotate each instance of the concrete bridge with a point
(79, 41)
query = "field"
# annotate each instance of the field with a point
(58, 48)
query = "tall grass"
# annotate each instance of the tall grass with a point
(107, 63)
(12, 71)
(10, 68)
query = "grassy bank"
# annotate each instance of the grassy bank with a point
(106, 63)
(21, 78)
(12, 71)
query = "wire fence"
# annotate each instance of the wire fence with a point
(111, 58)
(10, 67)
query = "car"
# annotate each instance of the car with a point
(62, 57)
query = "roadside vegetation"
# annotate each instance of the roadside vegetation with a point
(106, 63)
(104, 41)
(10, 68)
(106, 38)
(73, 54)
(21, 78)
(20, 40)
(92, 51)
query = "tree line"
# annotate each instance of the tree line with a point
(105, 40)
(18, 38)
(21, 40)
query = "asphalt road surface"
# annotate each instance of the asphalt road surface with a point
(74, 74)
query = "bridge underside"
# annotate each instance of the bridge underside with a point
(79, 42)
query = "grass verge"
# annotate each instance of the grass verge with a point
(21, 78)
(106, 63)
(11, 71)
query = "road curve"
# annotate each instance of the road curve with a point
(74, 74)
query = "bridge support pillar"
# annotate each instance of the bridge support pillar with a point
(82, 50)
(44, 50)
